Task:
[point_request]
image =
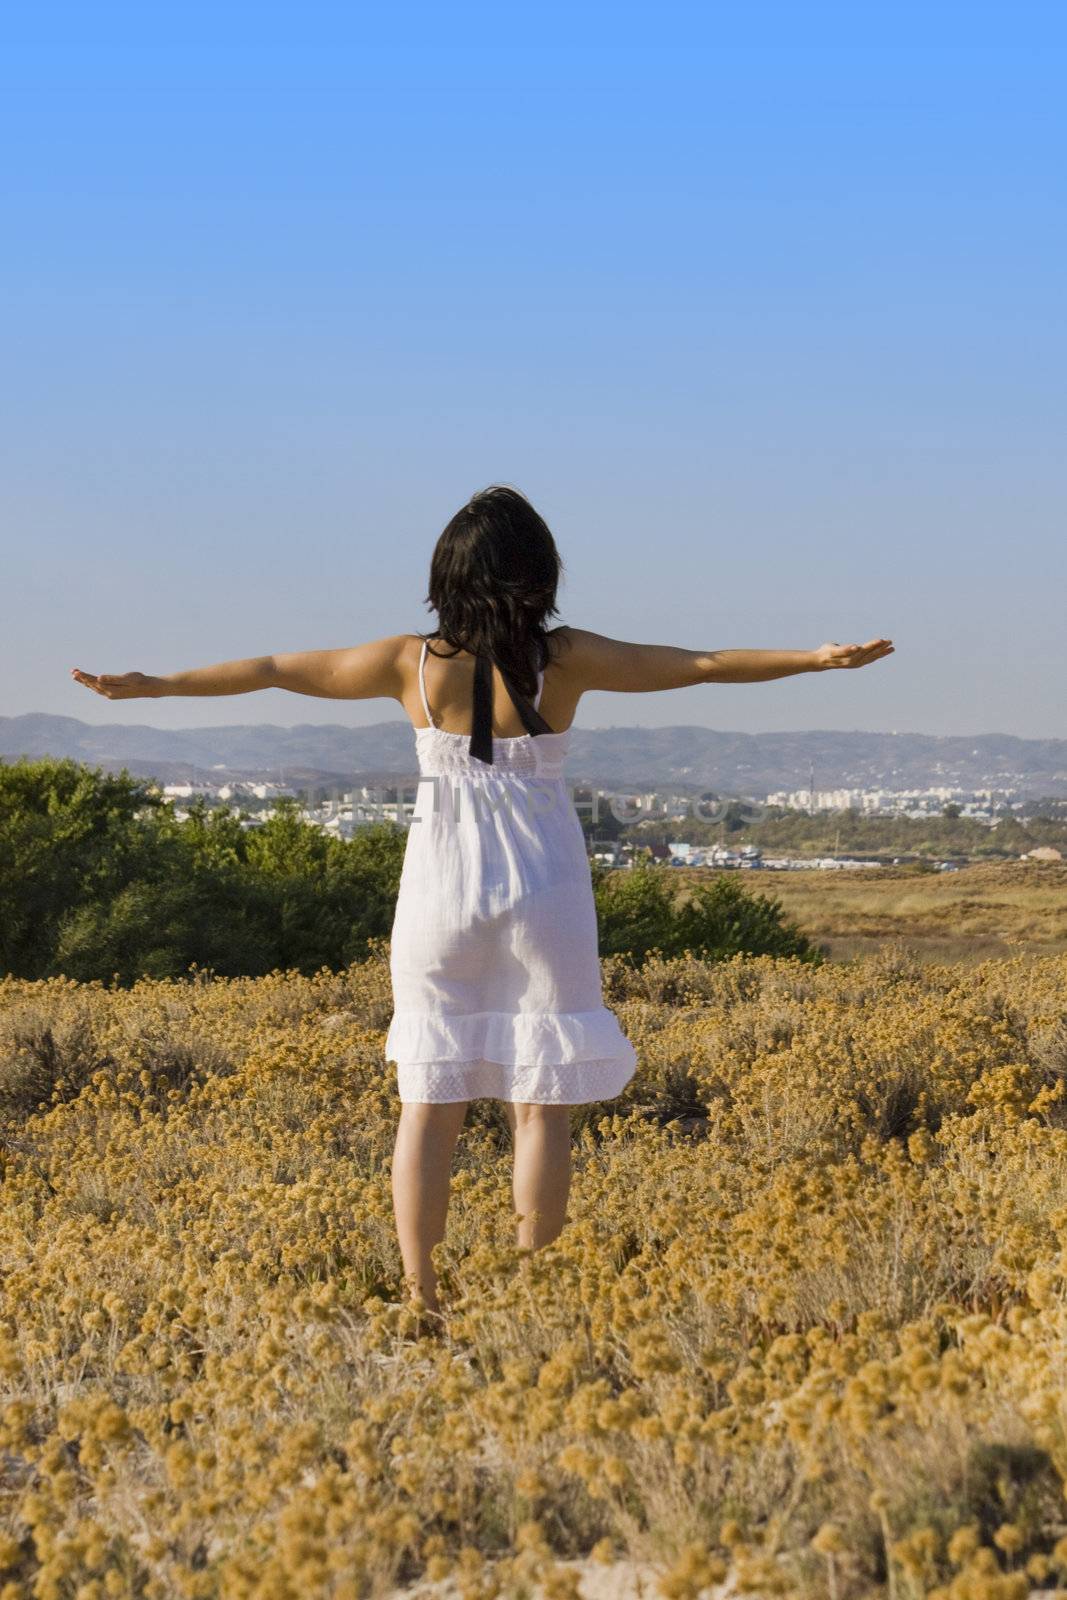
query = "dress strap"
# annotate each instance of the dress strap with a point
(422, 686)
(540, 686)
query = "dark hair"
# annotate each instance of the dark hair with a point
(493, 581)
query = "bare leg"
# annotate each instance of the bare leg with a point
(542, 1176)
(422, 1168)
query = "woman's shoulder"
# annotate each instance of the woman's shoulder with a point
(574, 645)
(565, 640)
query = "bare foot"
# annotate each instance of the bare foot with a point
(425, 1322)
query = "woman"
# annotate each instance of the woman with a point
(493, 957)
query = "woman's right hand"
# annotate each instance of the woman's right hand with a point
(120, 685)
(832, 655)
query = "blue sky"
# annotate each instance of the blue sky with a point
(762, 307)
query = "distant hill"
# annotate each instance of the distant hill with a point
(688, 757)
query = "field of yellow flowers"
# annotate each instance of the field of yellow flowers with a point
(805, 1332)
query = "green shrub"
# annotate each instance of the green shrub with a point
(639, 910)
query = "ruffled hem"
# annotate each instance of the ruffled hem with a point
(578, 1083)
(508, 1038)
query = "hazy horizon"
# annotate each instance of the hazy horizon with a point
(763, 312)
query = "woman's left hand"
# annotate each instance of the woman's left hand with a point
(120, 685)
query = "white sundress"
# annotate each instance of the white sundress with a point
(494, 955)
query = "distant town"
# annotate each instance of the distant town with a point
(343, 812)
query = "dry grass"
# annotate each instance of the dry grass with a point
(984, 910)
(805, 1332)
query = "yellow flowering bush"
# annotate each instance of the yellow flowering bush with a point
(805, 1331)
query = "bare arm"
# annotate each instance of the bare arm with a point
(359, 672)
(598, 662)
